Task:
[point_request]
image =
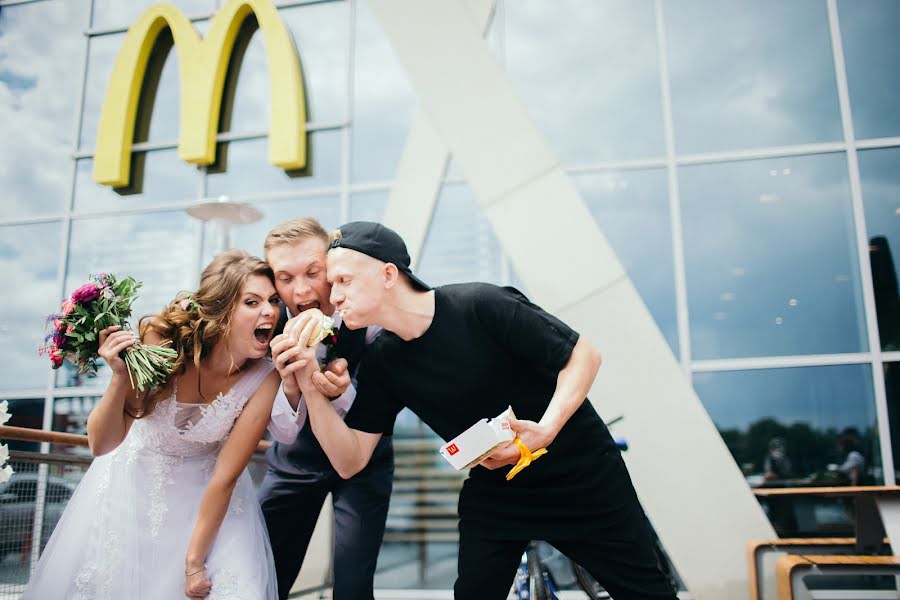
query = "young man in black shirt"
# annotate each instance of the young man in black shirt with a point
(459, 353)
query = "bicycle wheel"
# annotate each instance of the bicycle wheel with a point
(538, 586)
(588, 583)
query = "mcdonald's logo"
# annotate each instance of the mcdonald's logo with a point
(203, 64)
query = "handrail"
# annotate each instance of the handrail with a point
(26, 434)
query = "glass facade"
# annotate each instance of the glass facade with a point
(741, 156)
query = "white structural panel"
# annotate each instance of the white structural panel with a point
(417, 182)
(693, 492)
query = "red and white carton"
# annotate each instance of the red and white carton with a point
(479, 441)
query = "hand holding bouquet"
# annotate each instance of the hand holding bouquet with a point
(100, 304)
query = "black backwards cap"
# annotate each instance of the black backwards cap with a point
(378, 241)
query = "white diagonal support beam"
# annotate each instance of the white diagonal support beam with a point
(420, 171)
(695, 495)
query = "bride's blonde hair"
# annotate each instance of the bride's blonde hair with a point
(193, 324)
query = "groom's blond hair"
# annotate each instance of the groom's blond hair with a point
(294, 232)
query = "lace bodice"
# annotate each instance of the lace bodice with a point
(179, 429)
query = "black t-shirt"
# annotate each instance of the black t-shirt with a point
(488, 348)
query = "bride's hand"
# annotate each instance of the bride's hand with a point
(196, 584)
(114, 340)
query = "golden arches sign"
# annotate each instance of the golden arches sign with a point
(203, 64)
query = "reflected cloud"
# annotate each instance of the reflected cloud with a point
(768, 252)
(40, 74)
(383, 102)
(588, 73)
(754, 74)
(29, 272)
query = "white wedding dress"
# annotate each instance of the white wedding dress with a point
(125, 531)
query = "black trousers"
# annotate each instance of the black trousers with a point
(624, 563)
(291, 507)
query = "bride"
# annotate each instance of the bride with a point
(170, 481)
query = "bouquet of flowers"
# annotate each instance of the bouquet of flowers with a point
(102, 302)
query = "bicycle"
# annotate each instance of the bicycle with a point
(536, 580)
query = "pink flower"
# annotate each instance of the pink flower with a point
(185, 304)
(69, 329)
(59, 338)
(56, 358)
(86, 293)
(68, 307)
(57, 324)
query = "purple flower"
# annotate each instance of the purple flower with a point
(86, 293)
(59, 338)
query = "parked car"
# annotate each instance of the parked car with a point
(17, 505)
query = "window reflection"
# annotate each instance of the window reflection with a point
(102, 54)
(460, 245)
(30, 278)
(243, 167)
(892, 386)
(26, 412)
(368, 206)
(794, 427)
(631, 208)
(320, 32)
(770, 255)
(758, 74)
(588, 73)
(250, 237)
(383, 102)
(806, 410)
(41, 53)
(158, 176)
(880, 174)
(872, 58)
(156, 248)
(114, 13)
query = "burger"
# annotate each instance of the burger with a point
(323, 326)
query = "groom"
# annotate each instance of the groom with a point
(466, 352)
(300, 476)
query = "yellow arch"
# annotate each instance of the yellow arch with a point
(203, 64)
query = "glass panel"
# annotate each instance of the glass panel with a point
(460, 245)
(892, 385)
(797, 426)
(770, 258)
(632, 210)
(320, 34)
(383, 102)
(26, 412)
(872, 58)
(251, 107)
(102, 53)
(250, 237)
(244, 167)
(156, 249)
(880, 174)
(588, 73)
(41, 53)
(320, 31)
(158, 176)
(368, 206)
(70, 416)
(756, 74)
(29, 259)
(114, 13)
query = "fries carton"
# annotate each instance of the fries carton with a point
(479, 441)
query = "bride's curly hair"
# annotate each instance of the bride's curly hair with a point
(194, 323)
